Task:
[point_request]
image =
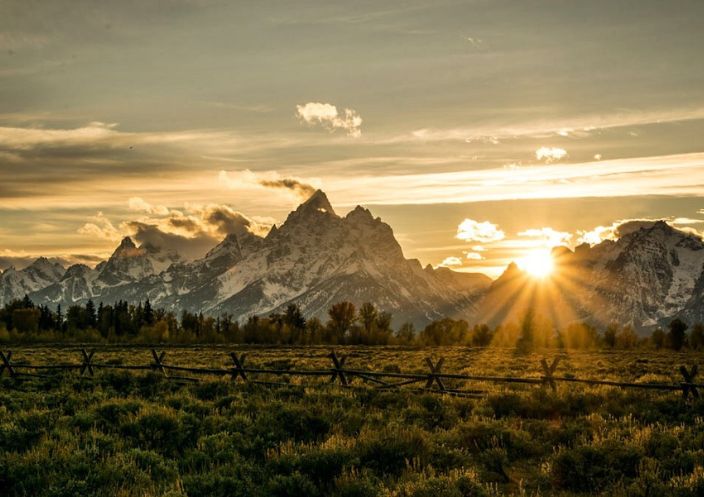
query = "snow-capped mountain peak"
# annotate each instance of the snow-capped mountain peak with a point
(16, 284)
(651, 273)
(319, 202)
(644, 278)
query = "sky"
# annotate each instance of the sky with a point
(479, 130)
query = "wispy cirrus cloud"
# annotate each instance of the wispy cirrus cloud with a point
(578, 126)
(95, 135)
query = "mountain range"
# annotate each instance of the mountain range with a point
(650, 274)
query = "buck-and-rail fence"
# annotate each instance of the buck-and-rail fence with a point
(433, 381)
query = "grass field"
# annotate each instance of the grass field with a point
(126, 433)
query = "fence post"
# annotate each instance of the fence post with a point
(687, 384)
(434, 371)
(548, 372)
(87, 362)
(338, 371)
(238, 369)
(159, 361)
(7, 364)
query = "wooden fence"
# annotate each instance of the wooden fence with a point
(434, 380)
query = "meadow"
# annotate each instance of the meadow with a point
(139, 434)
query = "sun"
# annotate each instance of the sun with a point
(538, 264)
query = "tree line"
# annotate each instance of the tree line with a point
(22, 320)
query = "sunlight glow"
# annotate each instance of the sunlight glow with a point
(538, 264)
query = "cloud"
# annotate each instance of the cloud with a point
(616, 230)
(227, 221)
(681, 174)
(474, 231)
(189, 248)
(20, 262)
(140, 205)
(551, 237)
(301, 189)
(246, 179)
(550, 154)
(686, 220)
(485, 140)
(191, 232)
(450, 261)
(475, 42)
(100, 227)
(474, 256)
(327, 116)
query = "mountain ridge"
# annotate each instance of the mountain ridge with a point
(651, 273)
(313, 259)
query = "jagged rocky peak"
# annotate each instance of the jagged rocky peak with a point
(127, 243)
(361, 216)
(234, 243)
(77, 271)
(127, 248)
(320, 202)
(316, 204)
(272, 232)
(46, 268)
(359, 212)
(42, 263)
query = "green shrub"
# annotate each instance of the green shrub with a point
(225, 481)
(431, 412)
(293, 485)
(452, 485)
(356, 485)
(389, 452)
(589, 468)
(211, 390)
(14, 438)
(281, 422)
(322, 466)
(161, 430)
(161, 471)
(110, 414)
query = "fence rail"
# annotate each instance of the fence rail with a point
(433, 380)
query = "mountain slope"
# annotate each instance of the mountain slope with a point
(314, 259)
(128, 266)
(16, 284)
(651, 274)
(317, 258)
